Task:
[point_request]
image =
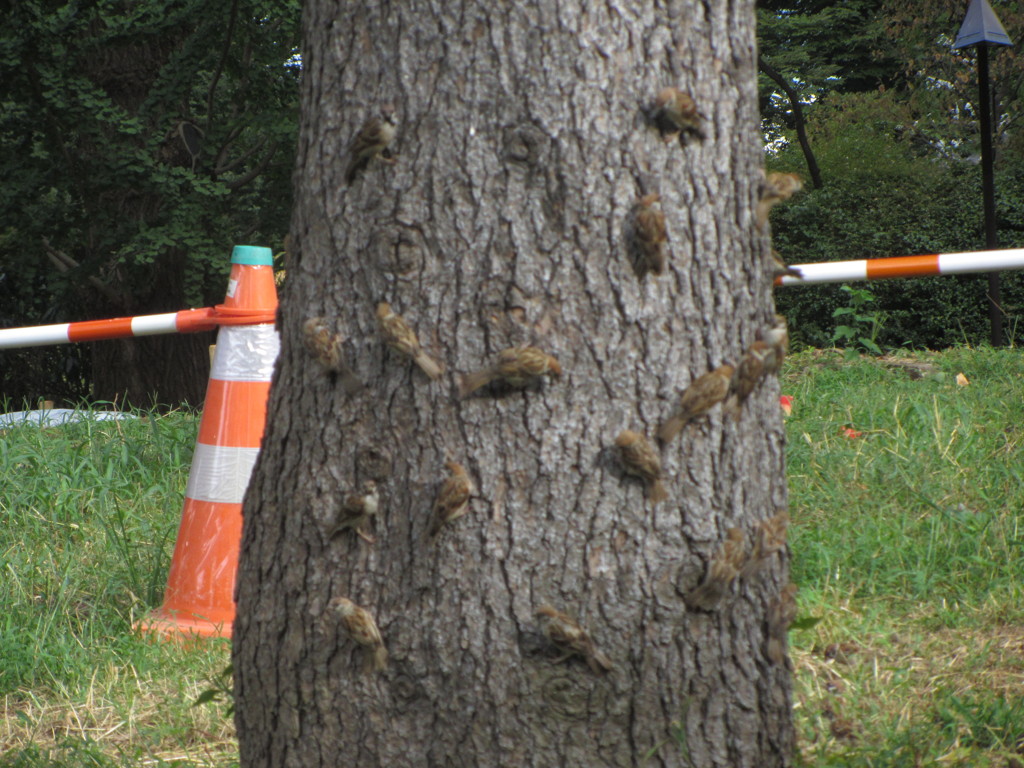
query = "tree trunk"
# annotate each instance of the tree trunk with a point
(504, 218)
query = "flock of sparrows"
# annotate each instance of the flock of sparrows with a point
(675, 115)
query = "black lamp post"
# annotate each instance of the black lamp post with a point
(982, 28)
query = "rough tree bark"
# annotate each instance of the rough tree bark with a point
(503, 219)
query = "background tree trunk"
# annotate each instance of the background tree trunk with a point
(521, 150)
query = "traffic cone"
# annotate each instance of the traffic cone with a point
(200, 586)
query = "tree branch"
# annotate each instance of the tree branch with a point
(65, 263)
(798, 118)
(241, 181)
(220, 64)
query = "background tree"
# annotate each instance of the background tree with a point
(505, 217)
(897, 152)
(138, 142)
(811, 48)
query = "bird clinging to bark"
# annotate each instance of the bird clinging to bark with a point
(326, 348)
(674, 113)
(649, 235)
(370, 142)
(769, 539)
(746, 376)
(568, 636)
(516, 367)
(781, 613)
(452, 500)
(782, 269)
(361, 627)
(777, 337)
(703, 394)
(356, 511)
(400, 337)
(776, 188)
(725, 567)
(639, 458)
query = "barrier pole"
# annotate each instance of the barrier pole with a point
(906, 266)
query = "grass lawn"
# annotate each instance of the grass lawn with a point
(906, 498)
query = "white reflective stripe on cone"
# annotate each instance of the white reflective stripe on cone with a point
(220, 474)
(245, 353)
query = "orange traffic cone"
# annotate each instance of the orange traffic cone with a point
(201, 584)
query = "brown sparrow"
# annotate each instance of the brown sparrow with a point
(639, 458)
(697, 399)
(361, 627)
(401, 338)
(776, 188)
(452, 500)
(326, 349)
(516, 367)
(372, 140)
(649, 235)
(675, 115)
(356, 512)
(725, 566)
(748, 373)
(568, 636)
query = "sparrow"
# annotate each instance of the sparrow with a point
(639, 458)
(725, 567)
(361, 627)
(746, 376)
(356, 511)
(674, 113)
(453, 499)
(326, 349)
(697, 399)
(776, 188)
(781, 613)
(777, 337)
(372, 140)
(400, 337)
(769, 539)
(649, 235)
(568, 636)
(781, 269)
(516, 367)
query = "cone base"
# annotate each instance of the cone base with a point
(174, 624)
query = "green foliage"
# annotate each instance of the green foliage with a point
(137, 145)
(862, 325)
(821, 47)
(886, 195)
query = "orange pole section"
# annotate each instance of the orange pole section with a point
(903, 266)
(200, 586)
(94, 330)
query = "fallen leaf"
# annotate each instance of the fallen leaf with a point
(962, 380)
(853, 434)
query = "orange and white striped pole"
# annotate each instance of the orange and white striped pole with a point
(200, 586)
(186, 321)
(906, 266)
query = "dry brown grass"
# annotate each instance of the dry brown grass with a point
(124, 713)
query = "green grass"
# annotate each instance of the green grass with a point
(907, 542)
(88, 515)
